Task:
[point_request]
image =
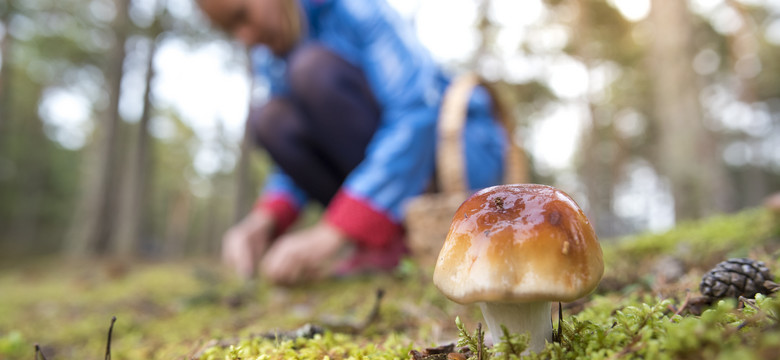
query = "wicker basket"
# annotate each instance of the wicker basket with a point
(429, 215)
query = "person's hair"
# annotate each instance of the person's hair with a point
(291, 10)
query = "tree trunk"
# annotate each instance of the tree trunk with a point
(178, 224)
(5, 105)
(602, 153)
(486, 38)
(92, 231)
(130, 222)
(743, 46)
(24, 148)
(5, 71)
(596, 146)
(687, 154)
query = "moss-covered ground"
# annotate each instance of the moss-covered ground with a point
(193, 309)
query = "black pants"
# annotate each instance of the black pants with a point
(318, 133)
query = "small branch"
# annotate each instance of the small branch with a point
(560, 323)
(480, 340)
(752, 304)
(772, 286)
(630, 348)
(357, 327)
(683, 306)
(374, 314)
(108, 341)
(38, 351)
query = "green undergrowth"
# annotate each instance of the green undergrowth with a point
(616, 328)
(325, 346)
(649, 330)
(193, 309)
(693, 246)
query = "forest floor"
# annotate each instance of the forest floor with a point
(647, 306)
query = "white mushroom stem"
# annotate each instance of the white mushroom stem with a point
(533, 318)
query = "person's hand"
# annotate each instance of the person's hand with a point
(244, 244)
(304, 255)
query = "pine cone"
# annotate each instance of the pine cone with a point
(734, 278)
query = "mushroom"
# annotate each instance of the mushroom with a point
(514, 249)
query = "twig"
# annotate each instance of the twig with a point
(634, 340)
(374, 314)
(683, 305)
(752, 304)
(480, 338)
(356, 327)
(559, 338)
(771, 286)
(108, 342)
(38, 351)
(629, 348)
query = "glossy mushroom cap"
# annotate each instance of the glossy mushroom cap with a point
(519, 243)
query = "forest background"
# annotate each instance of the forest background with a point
(121, 120)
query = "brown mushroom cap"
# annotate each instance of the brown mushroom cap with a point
(519, 243)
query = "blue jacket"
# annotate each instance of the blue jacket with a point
(408, 84)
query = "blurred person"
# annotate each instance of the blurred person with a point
(351, 124)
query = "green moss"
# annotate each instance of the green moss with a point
(327, 346)
(184, 309)
(651, 331)
(697, 245)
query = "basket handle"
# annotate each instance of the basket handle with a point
(450, 161)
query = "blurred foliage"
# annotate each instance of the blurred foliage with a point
(752, 233)
(52, 47)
